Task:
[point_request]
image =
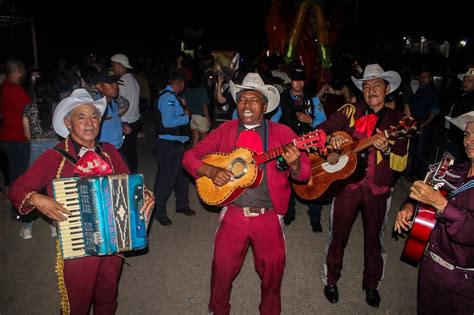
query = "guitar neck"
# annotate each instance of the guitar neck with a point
(269, 155)
(314, 140)
(363, 144)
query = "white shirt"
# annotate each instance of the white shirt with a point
(131, 91)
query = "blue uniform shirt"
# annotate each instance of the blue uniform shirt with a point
(111, 128)
(172, 115)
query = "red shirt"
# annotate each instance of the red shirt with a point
(13, 99)
(223, 139)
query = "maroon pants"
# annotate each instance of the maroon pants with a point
(345, 209)
(444, 291)
(92, 281)
(234, 235)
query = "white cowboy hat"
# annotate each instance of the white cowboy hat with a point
(461, 121)
(122, 59)
(469, 73)
(375, 71)
(253, 81)
(78, 97)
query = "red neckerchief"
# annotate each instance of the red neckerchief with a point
(250, 139)
(91, 164)
(366, 124)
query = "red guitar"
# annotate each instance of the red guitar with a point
(424, 217)
(243, 163)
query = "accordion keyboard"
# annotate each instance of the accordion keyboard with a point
(70, 230)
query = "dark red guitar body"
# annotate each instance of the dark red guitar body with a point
(420, 232)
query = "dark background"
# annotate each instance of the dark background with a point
(72, 28)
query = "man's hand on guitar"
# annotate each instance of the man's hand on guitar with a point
(381, 142)
(219, 176)
(426, 194)
(402, 222)
(336, 142)
(291, 155)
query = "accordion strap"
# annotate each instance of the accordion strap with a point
(65, 306)
(66, 155)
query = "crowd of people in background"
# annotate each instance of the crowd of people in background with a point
(188, 99)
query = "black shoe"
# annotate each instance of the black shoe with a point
(164, 221)
(331, 293)
(288, 219)
(372, 297)
(186, 211)
(317, 228)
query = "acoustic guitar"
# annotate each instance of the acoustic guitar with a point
(331, 172)
(244, 165)
(424, 219)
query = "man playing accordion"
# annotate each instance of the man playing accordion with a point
(92, 280)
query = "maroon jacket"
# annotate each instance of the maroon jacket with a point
(453, 237)
(45, 167)
(343, 120)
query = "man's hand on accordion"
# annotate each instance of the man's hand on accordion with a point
(48, 206)
(149, 203)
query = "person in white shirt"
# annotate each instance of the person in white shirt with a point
(131, 119)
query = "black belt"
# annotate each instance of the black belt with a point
(176, 142)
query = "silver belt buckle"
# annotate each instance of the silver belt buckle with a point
(249, 214)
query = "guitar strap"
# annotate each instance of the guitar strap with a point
(265, 141)
(460, 189)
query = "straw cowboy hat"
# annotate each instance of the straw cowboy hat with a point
(375, 71)
(78, 97)
(469, 73)
(254, 82)
(461, 121)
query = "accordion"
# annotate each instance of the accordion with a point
(105, 215)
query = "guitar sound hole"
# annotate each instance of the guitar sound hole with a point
(333, 158)
(239, 168)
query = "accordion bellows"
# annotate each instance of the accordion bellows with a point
(105, 217)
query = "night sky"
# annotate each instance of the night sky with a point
(135, 27)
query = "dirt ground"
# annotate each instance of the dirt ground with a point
(173, 276)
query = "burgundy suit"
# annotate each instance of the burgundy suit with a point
(449, 288)
(91, 280)
(236, 231)
(368, 195)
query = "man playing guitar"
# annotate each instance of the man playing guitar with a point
(255, 216)
(447, 269)
(368, 195)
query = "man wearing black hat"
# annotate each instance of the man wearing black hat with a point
(107, 84)
(301, 113)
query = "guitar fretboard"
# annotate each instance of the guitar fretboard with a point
(269, 155)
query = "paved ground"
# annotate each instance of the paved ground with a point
(173, 276)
